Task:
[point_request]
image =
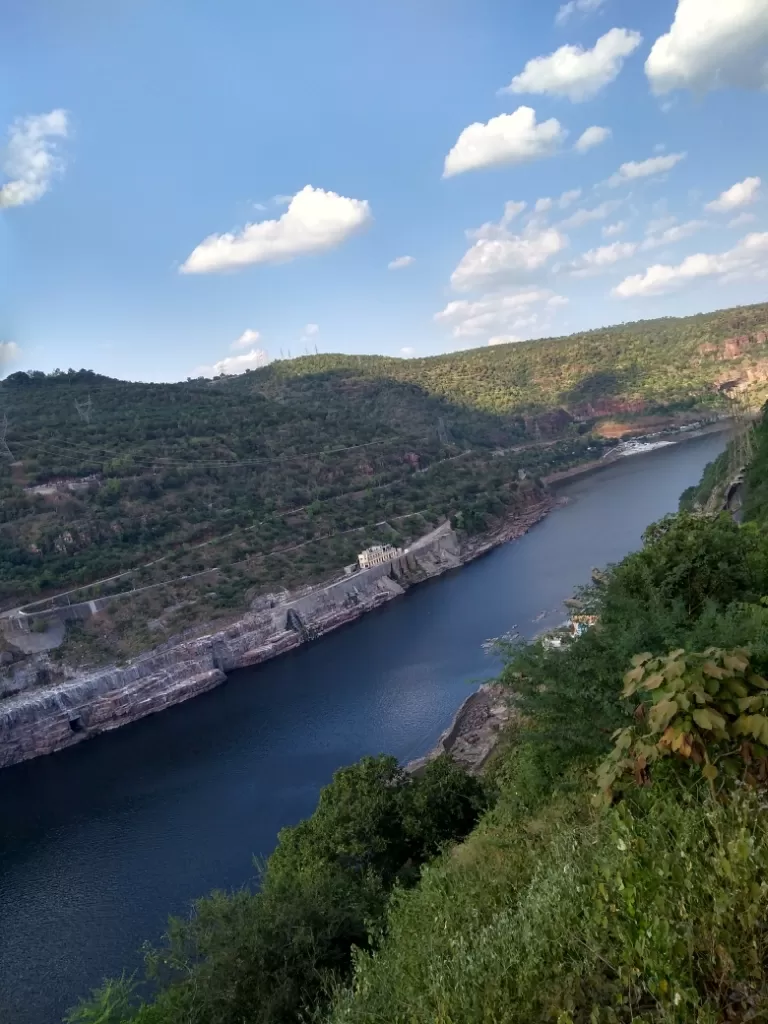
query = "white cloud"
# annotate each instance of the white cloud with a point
(569, 198)
(310, 330)
(592, 137)
(741, 194)
(582, 217)
(407, 351)
(712, 44)
(595, 261)
(506, 139)
(511, 210)
(747, 258)
(558, 300)
(400, 262)
(30, 159)
(565, 200)
(504, 256)
(573, 6)
(494, 313)
(9, 353)
(575, 72)
(645, 168)
(743, 218)
(612, 230)
(504, 339)
(247, 339)
(251, 360)
(653, 227)
(673, 233)
(315, 220)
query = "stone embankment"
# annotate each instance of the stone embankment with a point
(44, 708)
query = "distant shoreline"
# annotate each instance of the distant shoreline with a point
(596, 465)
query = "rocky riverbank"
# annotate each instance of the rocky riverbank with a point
(47, 707)
(472, 735)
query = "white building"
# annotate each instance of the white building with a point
(377, 555)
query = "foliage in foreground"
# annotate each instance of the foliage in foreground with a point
(648, 906)
(266, 957)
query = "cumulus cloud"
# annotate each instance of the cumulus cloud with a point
(566, 12)
(30, 159)
(407, 351)
(645, 168)
(712, 44)
(673, 233)
(251, 360)
(507, 139)
(592, 137)
(543, 204)
(315, 220)
(747, 258)
(9, 353)
(247, 339)
(612, 230)
(400, 262)
(598, 260)
(582, 217)
(494, 313)
(577, 73)
(741, 194)
(503, 256)
(743, 218)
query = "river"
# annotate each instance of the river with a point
(99, 843)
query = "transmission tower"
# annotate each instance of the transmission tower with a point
(85, 409)
(4, 449)
(442, 431)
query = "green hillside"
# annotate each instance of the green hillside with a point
(281, 475)
(611, 866)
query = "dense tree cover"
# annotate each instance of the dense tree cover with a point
(271, 955)
(280, 476)
(560, 905)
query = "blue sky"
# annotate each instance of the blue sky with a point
(145, 137)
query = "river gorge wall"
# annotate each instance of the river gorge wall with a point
(39, 716)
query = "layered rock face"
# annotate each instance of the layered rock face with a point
(38, 717)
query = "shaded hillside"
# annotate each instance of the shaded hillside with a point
(611, 867)
(279, 476)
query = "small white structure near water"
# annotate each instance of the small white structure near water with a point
(377, 555)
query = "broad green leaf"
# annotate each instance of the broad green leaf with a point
(654, 681)
(661, 715)
(640, 659)
(702, 717)
(734, 663)
(709, 668)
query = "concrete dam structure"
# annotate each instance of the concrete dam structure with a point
(39, 715)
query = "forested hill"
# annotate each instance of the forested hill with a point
(610, 866)
(656, 362)
(279, 476)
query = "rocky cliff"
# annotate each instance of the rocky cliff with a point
(38, 716)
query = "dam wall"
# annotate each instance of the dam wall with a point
(39, 716)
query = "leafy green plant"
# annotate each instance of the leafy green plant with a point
(709, 709)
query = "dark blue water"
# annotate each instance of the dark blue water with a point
(98, 844)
